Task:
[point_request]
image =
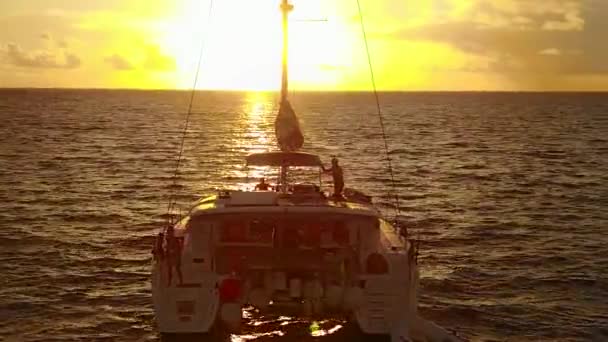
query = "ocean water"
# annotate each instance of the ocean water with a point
(507, 191)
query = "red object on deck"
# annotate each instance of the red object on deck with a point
(230, 290)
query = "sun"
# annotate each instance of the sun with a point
(242, 45)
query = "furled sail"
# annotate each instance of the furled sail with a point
(287, 128)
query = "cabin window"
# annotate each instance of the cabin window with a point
(262, 231)
(292, 236)
(254, 231)
(235, 231)
(315, 234)
(340, 233)
(312, 235)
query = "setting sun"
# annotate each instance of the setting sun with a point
(242, 45)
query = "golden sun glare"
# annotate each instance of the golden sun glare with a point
(242, 45)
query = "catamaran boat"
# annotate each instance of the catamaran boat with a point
(292, 248)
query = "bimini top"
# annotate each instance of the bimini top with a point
(284, 159)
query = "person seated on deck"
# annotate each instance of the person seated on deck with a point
(262, 185)
(338, 175)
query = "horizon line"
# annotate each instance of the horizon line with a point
(306, 90)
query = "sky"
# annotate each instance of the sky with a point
(458, 45)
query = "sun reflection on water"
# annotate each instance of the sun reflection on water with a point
(316, 330)
(258, 112)
(265, 327)
(255, 127)
(242, 338)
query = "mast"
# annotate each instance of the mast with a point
(286, 7)
(286, 125)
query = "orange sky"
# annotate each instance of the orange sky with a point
(415, 44)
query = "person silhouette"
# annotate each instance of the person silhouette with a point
(173, 255)
(262, 185)
(338, 176)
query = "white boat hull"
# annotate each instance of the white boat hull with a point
(171, 318)
(326, 275)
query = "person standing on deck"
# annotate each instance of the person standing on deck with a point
(338, 176)
(173, 255)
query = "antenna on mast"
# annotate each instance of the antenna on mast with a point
(286, 7)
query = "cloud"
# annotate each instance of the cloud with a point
(61, 43)
(562, 15)
(119, 63)
(151, 59)
(529, 40)
(71, 61)
(15, 56)
(571, 22)
(550, 52)
(156, 61)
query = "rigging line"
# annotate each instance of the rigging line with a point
(371, 70)
(172, 198)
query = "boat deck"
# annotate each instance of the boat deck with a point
(268, 202)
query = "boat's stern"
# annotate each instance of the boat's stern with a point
(184, 287)
(389, 282)
(305, 260)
